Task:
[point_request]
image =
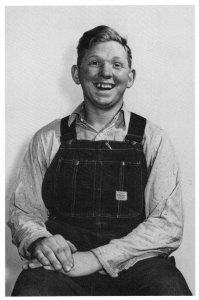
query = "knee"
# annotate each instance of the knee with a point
(26, 285)
(170, 282)
(25, 291)
(41, 282)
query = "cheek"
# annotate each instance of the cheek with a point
(88, 74)
(121, 78)
(121, 82)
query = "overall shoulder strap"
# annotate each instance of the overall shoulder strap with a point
(67, 132)
(136, 128)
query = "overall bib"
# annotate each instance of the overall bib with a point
(94, 190)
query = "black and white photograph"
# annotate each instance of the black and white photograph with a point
(100, 150)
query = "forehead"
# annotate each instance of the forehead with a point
(106, 50)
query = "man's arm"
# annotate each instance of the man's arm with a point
(85, 263)
(161, 232)
(28, 213)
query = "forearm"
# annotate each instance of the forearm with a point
(28, 232)
(26, 226)
(85, 263)
(27, 211)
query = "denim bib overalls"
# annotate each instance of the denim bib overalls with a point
(94, 190)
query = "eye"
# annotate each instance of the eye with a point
(117, 65)
(93, 63)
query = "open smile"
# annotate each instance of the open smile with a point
(104, 86)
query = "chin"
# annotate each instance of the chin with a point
(106, 105)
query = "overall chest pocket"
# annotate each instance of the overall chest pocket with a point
(73, 187)
(122, 191)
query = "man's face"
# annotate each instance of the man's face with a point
(104, 75)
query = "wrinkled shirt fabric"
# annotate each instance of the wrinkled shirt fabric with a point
(159, 234)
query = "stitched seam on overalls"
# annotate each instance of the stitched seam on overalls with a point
(142, 190)
(121, 183)
(140, 150)
(56, 177)
(129, 134)
(104, 161)
(93, 198)
(74, 188)
(100, 179)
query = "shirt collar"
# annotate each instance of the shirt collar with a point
(80, 112)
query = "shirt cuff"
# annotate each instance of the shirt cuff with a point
(25, 244)
(108, 265)
(113, 260)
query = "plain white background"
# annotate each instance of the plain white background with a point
(40, 50)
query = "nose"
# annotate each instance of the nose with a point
(106, 70)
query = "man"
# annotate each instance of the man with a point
(97, 209)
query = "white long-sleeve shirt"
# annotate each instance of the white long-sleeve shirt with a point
(160, 233)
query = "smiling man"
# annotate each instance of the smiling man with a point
(104, 75)
(97, 210)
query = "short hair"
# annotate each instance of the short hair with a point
(101, 33)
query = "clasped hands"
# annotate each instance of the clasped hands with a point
(57, 254)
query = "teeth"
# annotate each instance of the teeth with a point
(104, 86)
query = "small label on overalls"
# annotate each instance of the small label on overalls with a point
(121, 195)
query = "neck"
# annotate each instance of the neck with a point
(97, 117)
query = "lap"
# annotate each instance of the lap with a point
(41, 282)
(154, 276)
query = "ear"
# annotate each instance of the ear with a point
(131, 78)
(75, 74)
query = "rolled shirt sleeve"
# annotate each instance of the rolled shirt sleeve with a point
(161, 232)
(27, 212)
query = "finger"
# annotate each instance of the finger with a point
(50, 255)
(65, 259)
(102, 272)
(34, 260)
(25, 266)
(34, 265)
(64, 255)
(49, 268)
(41, 257)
